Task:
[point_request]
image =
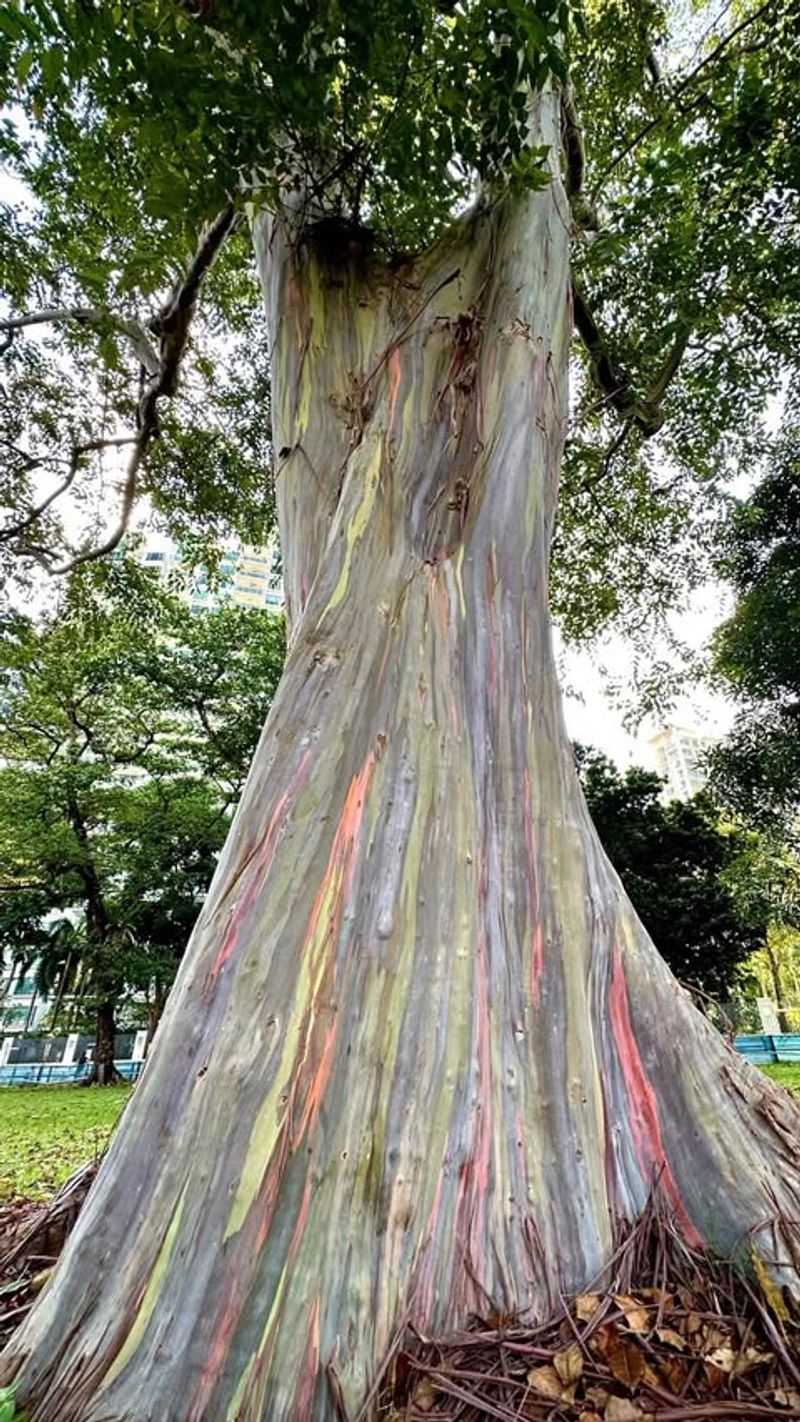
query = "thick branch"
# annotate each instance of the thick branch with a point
(642, 411)
(172, 322)
(90, 315)
(572, 139)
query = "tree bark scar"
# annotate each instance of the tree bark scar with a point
(645, 1125)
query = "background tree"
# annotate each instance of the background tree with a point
(440, 1012)
(773, 971)
(764, 881)
(674, 861)
(124, 746)
(756, 770)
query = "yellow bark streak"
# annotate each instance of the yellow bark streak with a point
(358, 524)
(148, 1303)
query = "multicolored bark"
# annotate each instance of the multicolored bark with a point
(420, 1053)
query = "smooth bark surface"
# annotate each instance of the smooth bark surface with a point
(420, 1053)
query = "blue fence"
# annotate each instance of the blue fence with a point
(58, 1073)
(784, 1047)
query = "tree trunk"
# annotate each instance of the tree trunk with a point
(777, 984)
(104, 1072)
(420, 1052)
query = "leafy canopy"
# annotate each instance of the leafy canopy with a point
(132, 123)
(757, 650)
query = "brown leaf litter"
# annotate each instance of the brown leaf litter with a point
(674, 1334)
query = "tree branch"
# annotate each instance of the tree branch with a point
(79, 450)
(572, 142)
(679, 89)
(642, 411)
(171, 325)
(89, 315)
(611, 379)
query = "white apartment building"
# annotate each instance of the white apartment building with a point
(246, 578)
(678, 751)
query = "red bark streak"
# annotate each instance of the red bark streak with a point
(395, 374)
(645, 1125)
(240, 1279)
(317, 1087)
(341, 866)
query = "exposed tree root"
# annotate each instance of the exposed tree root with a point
(670, 1333)
(32, 1236)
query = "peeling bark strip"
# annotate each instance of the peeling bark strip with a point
(420, 1053)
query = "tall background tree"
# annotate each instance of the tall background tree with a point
(124, 745)
(441, 1015)
(676, 862)
(756, 771)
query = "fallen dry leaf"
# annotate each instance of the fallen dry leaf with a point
(546, 1382)
(770, 1289)
(636, 1313)
(693, 1323)
(715, 1377)
(621, 1409)
(586, 1306)
(729, 1361)
(624, 1358)
(714, 1337)
(598, 1396)
(650, 1377)
(674, 1371)
(787, 1397)
(670, 1336)
(424, 1395)
(569, 1364)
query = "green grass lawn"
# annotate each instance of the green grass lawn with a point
(46, 1132)
(787, 1073)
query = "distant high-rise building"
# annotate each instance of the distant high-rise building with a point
(678, 753)
(245, 578)
(22, 1007)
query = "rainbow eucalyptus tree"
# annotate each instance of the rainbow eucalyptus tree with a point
(421, 1054)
